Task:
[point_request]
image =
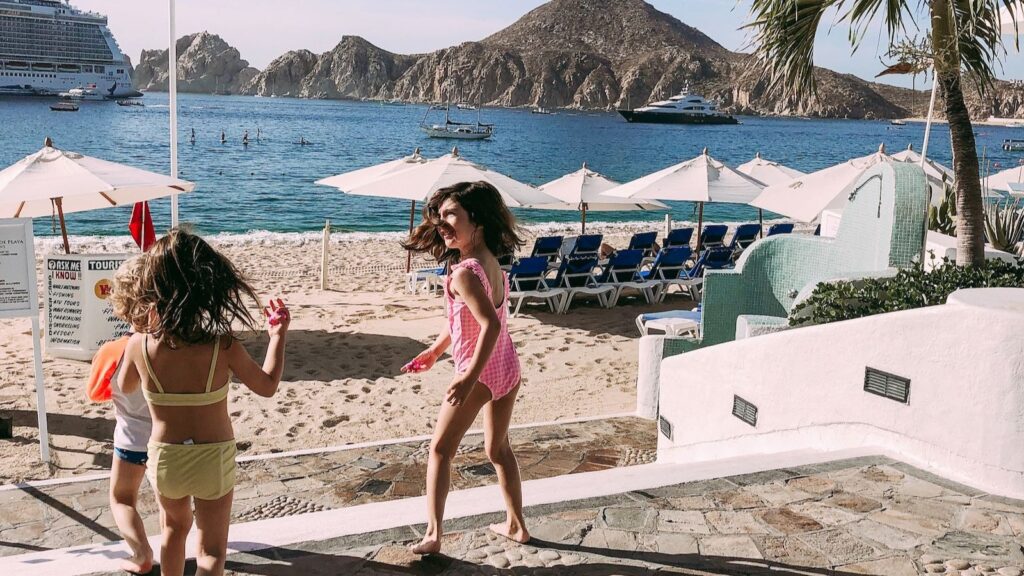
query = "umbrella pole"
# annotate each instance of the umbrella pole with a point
(760, 221)
(700, 224)
(408, 255)
(583, 221)
(63, 228)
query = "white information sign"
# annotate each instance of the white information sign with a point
(79, 318)
(19, 298)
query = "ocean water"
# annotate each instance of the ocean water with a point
(268, 186)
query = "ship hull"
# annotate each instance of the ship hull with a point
(662, 118)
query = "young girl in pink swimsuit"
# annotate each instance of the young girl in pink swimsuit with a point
(466, 226)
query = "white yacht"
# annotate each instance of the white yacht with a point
(683, 108)
(48, 47)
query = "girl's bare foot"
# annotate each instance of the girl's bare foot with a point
(429, 545)
(514, 533)
(135, 565)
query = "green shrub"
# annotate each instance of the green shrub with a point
(909, 288)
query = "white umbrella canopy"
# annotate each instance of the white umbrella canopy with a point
(768, 172)
(700, 179)
(348, 180)
(53, 179)
(804, 198)
(932, 168)
(1001, 181)
(584, 190)
(31, 186)
(420, 181)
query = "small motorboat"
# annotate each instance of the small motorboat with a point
(64, 107)
(129, 102)
(898, 122)
(1013, 145)
(541, 110)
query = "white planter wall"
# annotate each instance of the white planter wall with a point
(964, 418)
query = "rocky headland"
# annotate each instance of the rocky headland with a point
(593, 54)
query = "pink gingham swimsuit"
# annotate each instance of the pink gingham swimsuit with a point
(501, 373)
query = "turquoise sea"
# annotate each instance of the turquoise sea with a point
(269, 184)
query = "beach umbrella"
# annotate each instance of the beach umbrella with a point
(804, 198)
(767, 173)
(1002, 181)
(421, 181)
(930, 167)
(53, 180)
(584, 190)
(701, 179)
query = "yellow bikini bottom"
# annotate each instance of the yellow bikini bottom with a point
(204, 471)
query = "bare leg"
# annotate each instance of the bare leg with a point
(213, 517)
(497, 417)
(125, 479)
(452, 424)
(176, 517)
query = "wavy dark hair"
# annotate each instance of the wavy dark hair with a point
(486, 209)
(131, 298)
(198, 293)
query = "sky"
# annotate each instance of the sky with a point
(265, 29)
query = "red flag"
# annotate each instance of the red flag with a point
(141, 226)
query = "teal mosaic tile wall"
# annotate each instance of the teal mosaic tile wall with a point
(883, 226)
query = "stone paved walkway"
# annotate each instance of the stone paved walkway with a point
(863, 516)
(34, 519)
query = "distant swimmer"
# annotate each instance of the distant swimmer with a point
(303, 141)
(223, 137)
(245, 138)
(258, 134)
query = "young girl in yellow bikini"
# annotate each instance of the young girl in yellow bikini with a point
(184, 362)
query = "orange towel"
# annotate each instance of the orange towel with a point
(104, 366)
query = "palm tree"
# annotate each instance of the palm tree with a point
(964, 39)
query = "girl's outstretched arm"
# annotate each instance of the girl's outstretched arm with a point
(263, 380)
(466, 284)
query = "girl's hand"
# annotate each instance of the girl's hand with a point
(421, 363)
(459, 390)
(278, 318)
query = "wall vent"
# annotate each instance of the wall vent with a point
(887, 385)
(665, 426)
(744, 410)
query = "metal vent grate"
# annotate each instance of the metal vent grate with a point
(744, 410)
(665, 426)
(887, 385)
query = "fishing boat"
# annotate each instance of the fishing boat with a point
(64, 107)
(464, 106)
(898, 122)
(129, 102)
(456, 130)
(1013, 145)
(83, 93)
(683, 108)
(541, 110)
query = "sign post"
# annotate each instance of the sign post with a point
(19, 298)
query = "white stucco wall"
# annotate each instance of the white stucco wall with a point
(965, 414)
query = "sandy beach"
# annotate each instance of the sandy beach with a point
(342, 382)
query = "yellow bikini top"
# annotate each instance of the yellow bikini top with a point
(162, 398)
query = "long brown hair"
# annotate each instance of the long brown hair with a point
(198, 293)
(131, 298)
(485, 208)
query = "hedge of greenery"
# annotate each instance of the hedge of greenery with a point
(909, 288)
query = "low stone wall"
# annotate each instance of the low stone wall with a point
(963, 416)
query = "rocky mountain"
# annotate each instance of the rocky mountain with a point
(601, 54)
(206, 64)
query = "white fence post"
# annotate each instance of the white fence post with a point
(325, 255)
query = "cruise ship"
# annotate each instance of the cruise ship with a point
(48, 47)
(683, 108)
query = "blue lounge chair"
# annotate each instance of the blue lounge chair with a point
(430, 278)
(678, 237)
(643, 241)
(780, 228)
(665, 271)
(528, 279)
(587, 245)
(713, 235)
(715, 258)
(671, 322)
(576, 275)
(745, 235)
(547, 246)
(623, 271)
